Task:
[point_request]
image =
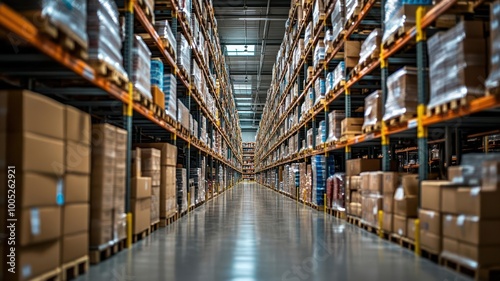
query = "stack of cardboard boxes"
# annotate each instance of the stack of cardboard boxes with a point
(391, 183)
(182, 189)
(406, 206)
(140, 204)
(151, 168)
(119, 216)
(354, 168)
(371, 197)
(353, 198)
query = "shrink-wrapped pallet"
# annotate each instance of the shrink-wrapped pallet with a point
(338, 19)
(370, 49)
(373, 109)
(165, 32)
(402, 93)
(141, 64)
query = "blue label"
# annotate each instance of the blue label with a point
(35, 221)
(60, 193)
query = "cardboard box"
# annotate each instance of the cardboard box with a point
(399, 226)
(455, 174)
(450, 227)
(356, 166)
(35, 153)
(168, 152)
(483, 255)
(120, 226)
(449, 199)
(97, 214)
(364, 181)
(391, 182)
(28, 112)
(431, 194)
(376, 179)
(136, 162)
(155, 176)
(410, 228)
(158, 97)
(430, 221)
(406, 207)
(101, 197)
(103, 141)
(101, 232)
(37, 190)
(37, 225)
(102, 176)
(353, 183)
(77, 158)
(141, 214)
(430, 242)
(36, 260)
(351, 53)
(450, 245)
(74, 246)
(150, 159)
(78, 125)
(141, 188)
(121, 136)
(478, 231)
(387, 222)
(410, 184)
(351, 125)
(75, 218)
(76, 188)
(491, 176)
(120, 178)
(388, 203)
(475, 202)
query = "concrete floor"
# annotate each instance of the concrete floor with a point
(251, 233)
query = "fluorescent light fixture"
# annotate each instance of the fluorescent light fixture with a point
(243, 98)
(240, 50)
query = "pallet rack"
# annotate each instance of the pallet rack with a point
(85, 88)
(248, 161)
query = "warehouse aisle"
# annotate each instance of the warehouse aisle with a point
(251, 233)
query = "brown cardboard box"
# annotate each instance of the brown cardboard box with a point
(101, 197)
(168, 152)
(478, 231)
(154, 175)
(351, 125)
(150, 159)
(141, 188)
(449, 199)
(74, 246)
(75, 218)
(36, 260)
(475, 202)
(491, 176)
(33, 113)
(406, 207)
(351, 53)
(450, 245)
(431, 194)
(76, 188)
(101, 214)
(410, 228)
(353, 182)
(376, 180)
(141, 209)
(78, 125)
(103, 140)
(388, 203)
(77, 158)
(450, 227)
(399, 226)
(430, 221)
(483, 255)
(102, 176)
(121, 139)
(430, 242)
(38, 225)
(168, 181)
(35, 153)
(364, 181)
(387, 222)
(455, 174)
(36, 190)
(410, 184)
(355, 166)
(101, 232)
(120, 178)
(158, 97)
(136, 162)
(391, 182)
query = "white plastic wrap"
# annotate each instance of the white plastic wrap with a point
(339, 74)
(493, 80)
(371, 45)
(319, 54)
(165, 32)
(141, 75)
(310, 141)
(350, 8)
(338, 19)
(319, 89)
(183, 115)
(308, 35)
(457, 63)
(185, 7)
(402, 94)
(183, 53)
(334, 122)
(373, 109)
(170, 91)
(103, 27)
(397, 15)
(318, 10)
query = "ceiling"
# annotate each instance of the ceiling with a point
(259, 25)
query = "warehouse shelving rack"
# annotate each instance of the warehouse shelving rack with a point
(248, 161)
(33, 59)
(268, 141)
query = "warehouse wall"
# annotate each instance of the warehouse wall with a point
(248, 136)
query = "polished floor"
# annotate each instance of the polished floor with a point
(251, 233)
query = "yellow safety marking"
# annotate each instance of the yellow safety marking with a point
(383, 62)
(422, 131)
(417, 237)
(324, 203)
(130, 6)
(129, 230)
(347, 90)
(130, 105)
(347, 149)
(384, 138)
(421, 34)
(380, 223)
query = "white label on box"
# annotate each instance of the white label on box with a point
(35, 221)
(460, 220)
(475, 191)
(412, 124)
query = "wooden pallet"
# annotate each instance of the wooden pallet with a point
(103, 252)
(366, 63)
(348, 136)
(395, 121)
(148, 11)
(355, 14)
(353, 220)
(141, 235)
(143, 100)
(404, 242)
(493, 91)
(393, 38)
(154, 226)
(60, 33)
(53, 275)
(337, 214)
(450, 106)
(76, 268)
(430, 255)
(111, 73)
(465, 266)
(369, 227)
(321, 18)
(372, 128)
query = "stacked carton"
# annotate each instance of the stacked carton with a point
(119, 216)
(390, 184)
(430, 213)
(140, 204)
(406, 206)
(151, 168)
(353, 197)
(354, 168)
(75, 222)
(32, 128)
(371, 197)
(182, 189)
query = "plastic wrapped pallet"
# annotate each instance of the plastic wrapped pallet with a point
(319, 54)
(457, 63)
(308, 35)
(141, 74)
(319, 179)
(318, 12)
(339, 191)
(329, 192)
(397, 16)
(165, 32)
(338, 19)
(181, 180)
(183, 53)
(185, 7)
(170, 91)
(373, 109)
(402, 93)
(103, 28)
(183, 115)
(350, 8)
(371, 203)
(157, 73)
(339, 74)
(334, 121)
(319, 90)
(494, 77)
(370, 49)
